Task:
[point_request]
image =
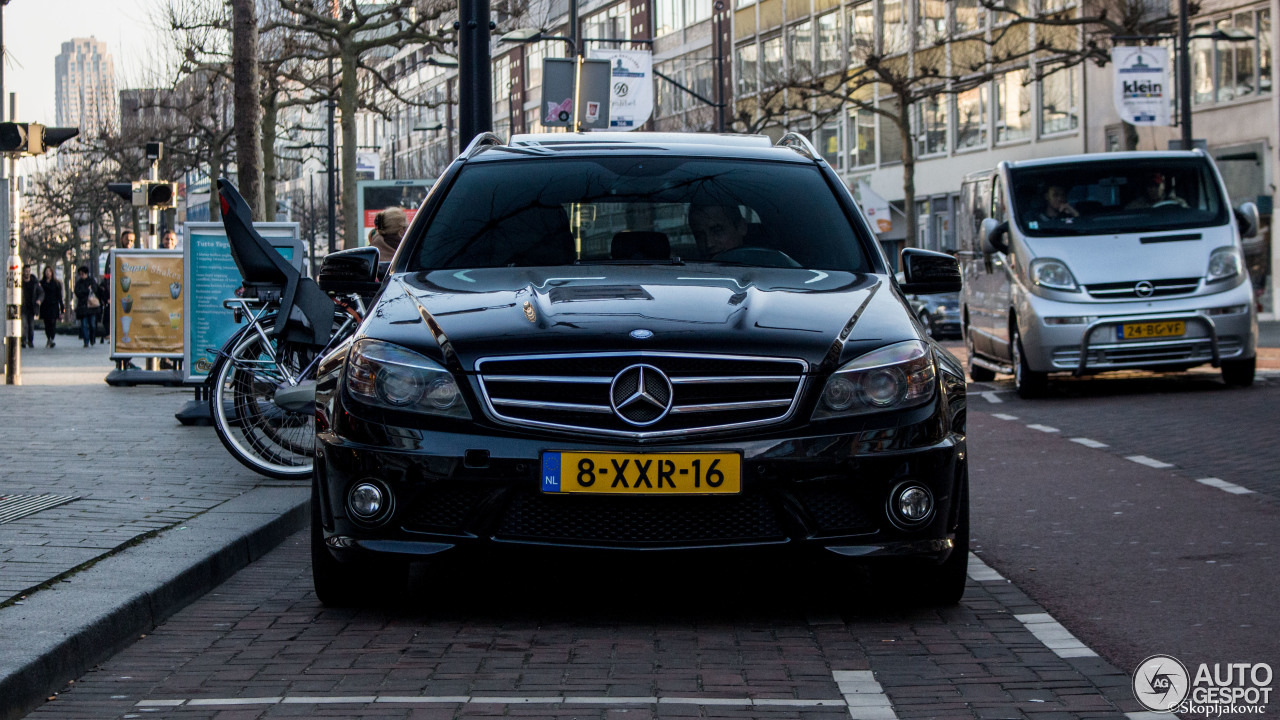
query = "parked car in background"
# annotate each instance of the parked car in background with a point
(939, 314)
(1104, 262)
(616, 342)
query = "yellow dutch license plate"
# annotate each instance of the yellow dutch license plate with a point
(1135, 331)
(642, 473)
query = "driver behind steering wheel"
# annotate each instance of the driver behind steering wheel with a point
(717, 228)
(1155, 193)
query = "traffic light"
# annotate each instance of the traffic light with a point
(145, 193)
(32, 138)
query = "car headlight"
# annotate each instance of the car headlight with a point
(1053, 274)
(393, 377)
(894, 377)
(1224, 263)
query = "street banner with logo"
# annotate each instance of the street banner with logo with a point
(368, 166)
(558, 86)
(1143, 95)
(875, 207)
(146, 303)
(210, 275)
(631, 87)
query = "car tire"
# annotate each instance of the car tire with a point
(976, 372)
(338, 584)
(1028, 382)
(1239, 373)
(928, 324)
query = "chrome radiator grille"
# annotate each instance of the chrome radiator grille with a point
(640, 394)
(1151, 288)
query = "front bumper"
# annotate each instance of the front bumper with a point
(1092, 343)
(822, 492)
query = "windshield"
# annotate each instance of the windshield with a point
(640, 210)
(1116, 197)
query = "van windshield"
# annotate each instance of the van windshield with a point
(1116, 197)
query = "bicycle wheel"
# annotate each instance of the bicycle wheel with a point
(264, 437)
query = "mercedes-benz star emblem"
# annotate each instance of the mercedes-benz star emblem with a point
(1144, 289)
(641, 334)
(640, 395)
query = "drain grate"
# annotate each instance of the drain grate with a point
(13, 507)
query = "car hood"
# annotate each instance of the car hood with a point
(460, 316)
(1129, 257)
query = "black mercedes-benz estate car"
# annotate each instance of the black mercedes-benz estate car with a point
(619, 342)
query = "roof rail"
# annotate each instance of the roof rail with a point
(800, 144)
(481, 141)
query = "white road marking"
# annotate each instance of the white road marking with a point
(1043, 428)
(981, 572)
(235, 701)
(1232, 488)
(1149, 462)
(530, 700)
(1089, 443)
(864, 696)
(1054, 636)
(1147, 716)
(1004, 416)
(992, 398)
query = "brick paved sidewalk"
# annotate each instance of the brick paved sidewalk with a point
(131, 468)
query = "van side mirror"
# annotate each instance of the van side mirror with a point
(350, 271)
(995, 236)
(1247, 218)
(925, 272)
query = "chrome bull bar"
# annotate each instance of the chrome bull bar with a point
(1188, 317)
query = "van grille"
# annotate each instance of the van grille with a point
(1129, 290)
(577, 392)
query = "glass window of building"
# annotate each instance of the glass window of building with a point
(771, 60)
(971, 16)
(931, 19)
(828, 143)
(610, 23)
(830, 59)
(668, 16)
(695, 11)
(894, 26)
(1226, 50)
(1059, 101)
(534, 53)
(1264, 51)
(930, 121)
(862, 141)
(1201, 66)
(1016, 8)
(1013, 107)
(702, 80)
(800, 48)
(745, 60)
(890, 135)
(971, 117)
(862, 32)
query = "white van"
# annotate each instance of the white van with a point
(1101, 262)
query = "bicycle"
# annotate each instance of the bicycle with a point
(263, 383)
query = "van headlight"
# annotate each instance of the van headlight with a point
(390, 376)
(1224, 263)
(1053, 274)
(894, 377)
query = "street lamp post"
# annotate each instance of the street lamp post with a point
(1184, 73)
(475, 96)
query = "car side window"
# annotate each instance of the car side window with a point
(997, 200)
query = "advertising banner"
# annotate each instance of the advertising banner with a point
(210, 275)
(631, 87)
(146, 303)
(374, 196)
(1143, 95)
(875, 207)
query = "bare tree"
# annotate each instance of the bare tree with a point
(244, 71)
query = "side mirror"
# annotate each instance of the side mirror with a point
(995, 236)
(925, 272)
(350, 271)
(1247, 218)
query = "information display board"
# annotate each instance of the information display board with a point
(210, 275)
(146, 303)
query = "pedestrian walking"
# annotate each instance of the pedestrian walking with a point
(31, 297)
(87, 305)
(388, 229)
(104, 312)
(51, 305)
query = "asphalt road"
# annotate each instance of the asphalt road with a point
(1132, 557)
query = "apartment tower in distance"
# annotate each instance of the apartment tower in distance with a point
(86, 86)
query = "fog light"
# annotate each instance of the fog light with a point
(1066, 320)
(910, 504)
(366, 501)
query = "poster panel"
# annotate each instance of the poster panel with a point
(374, 196)
(631, 87)
(210, 275)
(1143, 95)
(146, 303)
